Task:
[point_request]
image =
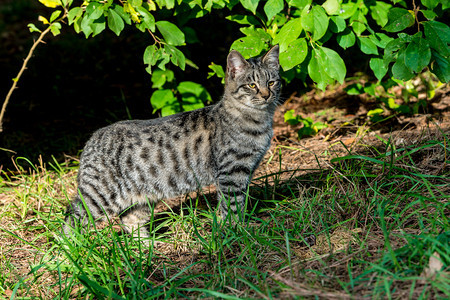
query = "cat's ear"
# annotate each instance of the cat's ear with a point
(271, 57)
(236, 64)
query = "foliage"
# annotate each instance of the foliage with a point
(172, 98)
(309, 126)
(410, 101)
(399, 40)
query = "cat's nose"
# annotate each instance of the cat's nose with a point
(265, 94)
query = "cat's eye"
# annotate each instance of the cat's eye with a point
(271, 83)
(252, 85)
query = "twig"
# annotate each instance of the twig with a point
(15, 80)
(157, 41)
(416, 11)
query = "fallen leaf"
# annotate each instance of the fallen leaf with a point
(434, 265)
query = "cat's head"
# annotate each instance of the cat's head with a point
(254, 82)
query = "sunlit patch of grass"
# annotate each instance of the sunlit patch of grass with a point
(374, 226)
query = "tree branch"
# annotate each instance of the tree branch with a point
(15, 80)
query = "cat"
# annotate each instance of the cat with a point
(127, 164)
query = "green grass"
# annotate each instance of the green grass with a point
(376, 219)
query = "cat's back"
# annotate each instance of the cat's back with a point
(155, 149)
(153, 133)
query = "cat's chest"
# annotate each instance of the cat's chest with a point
(256, 140)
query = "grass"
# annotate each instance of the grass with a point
(372, 224)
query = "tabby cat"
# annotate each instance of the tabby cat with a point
(127, 164)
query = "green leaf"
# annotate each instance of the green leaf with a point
(115, 22)
(332, 7)
(390, 51)
(354, 89)
(291, 118)
(33, 28)
(430, 3)
(300, 4)
(316, 72)
(399, 19)
(193, 95)
(438, 36)
(358, 22)
(346, 39)
(93, 21)
(135, 3)
(391, 103)
(400, 70)
(189, 87)
(273, 7)
(161, 98)
(256, 32)
(55, 28)
(94, 11)
(249, 46)
(319, 126)
(169, 4)
(126, 16)
(251, 5)
(244, 20)
(294, 55)
(151, 56)
(54, 15)
(440, 66)
(171, 33)
(429, 14)
(378, 67)
(337, 24)
(370, 89)
(164, 59)
(380, 39)
(367, 46)
(375, 111)
(332, 64)
(171, 109)
(306, 130)
(417, 54)
(147, 22)
(74, 14)
(176, 56)
(160, 77)
(216, 70)
(94, 26)
(407, 38)
(315, 21)
(288, 33)
(379, 12)
(348, 10)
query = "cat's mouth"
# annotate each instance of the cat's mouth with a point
(262, 101)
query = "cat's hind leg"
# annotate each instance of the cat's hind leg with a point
(135, 221)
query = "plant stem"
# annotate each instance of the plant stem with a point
(15, 80)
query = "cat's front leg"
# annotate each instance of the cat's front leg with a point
(231, 195)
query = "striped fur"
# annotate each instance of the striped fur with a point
(131, 162)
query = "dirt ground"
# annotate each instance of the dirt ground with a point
(350, 131)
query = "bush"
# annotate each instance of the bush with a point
(396, 38)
